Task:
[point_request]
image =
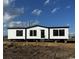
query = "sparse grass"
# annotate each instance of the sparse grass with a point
(67, 45)
(38, 50)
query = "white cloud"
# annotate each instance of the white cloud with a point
(39, 12)
(23, 23)
(14, 23)
(11, 24)
(8, 17)
(35, 22)
(31, 23)
(46, 2)
(36, 12)
(54, 10)
(68, 6)
(10, 13)
(18, 22)
(7, 2)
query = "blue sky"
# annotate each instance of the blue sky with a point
(46, 12)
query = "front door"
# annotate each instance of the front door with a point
(42, 33)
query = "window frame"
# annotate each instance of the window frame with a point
(62, 33)
(54, 32)
(19, 32)
(42, 33)
(59, 33)
(33, 32)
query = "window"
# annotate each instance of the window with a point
(55, 32)
(33, 32)
(42, 33)
(61, 33)
(19, 32)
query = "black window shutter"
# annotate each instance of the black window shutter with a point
(31, 32)
(35, 33)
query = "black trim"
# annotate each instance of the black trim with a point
(58, 39)
(16, 39)
(25, 34)
(38, 26)
(60, 27)
(39, 39)
(48, 33)
(16, 28)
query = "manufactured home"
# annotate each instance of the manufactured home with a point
(38, 32)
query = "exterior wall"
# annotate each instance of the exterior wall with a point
(59, 37)
(38, 33)
(12, 34)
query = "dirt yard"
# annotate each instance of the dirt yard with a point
(36, 50)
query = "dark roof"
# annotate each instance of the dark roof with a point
(38, 26)
(16, 27)
(60, 27)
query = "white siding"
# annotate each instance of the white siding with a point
(38, 33)
(59, 37)
(12, 34)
